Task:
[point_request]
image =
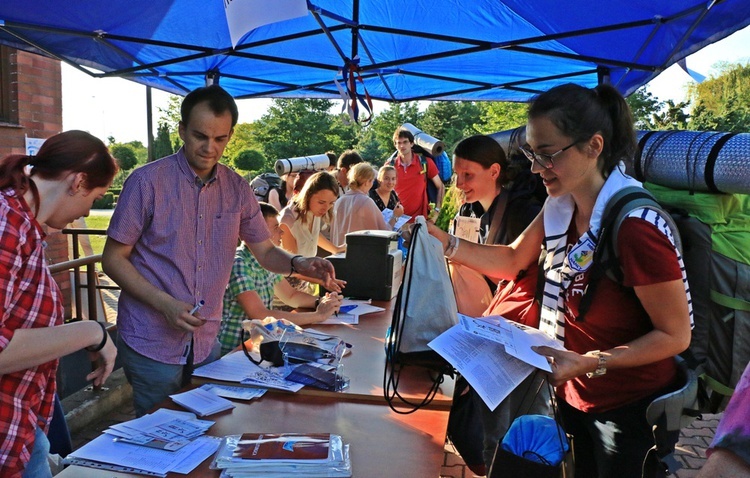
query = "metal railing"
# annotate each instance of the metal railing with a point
(71, 374)
(75, 265)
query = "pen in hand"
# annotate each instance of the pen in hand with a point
(197, 306)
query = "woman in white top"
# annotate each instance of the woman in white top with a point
(355, 210)
(301, 220)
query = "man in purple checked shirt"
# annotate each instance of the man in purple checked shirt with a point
(171, 244)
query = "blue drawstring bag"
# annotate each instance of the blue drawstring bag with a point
(537, 438)
(535, 445)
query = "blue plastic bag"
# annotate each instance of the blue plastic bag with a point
(537, 438)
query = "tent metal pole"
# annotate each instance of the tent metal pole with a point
(149, 125)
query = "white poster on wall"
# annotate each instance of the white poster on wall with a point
(33, 145)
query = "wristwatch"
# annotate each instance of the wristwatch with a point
(601, 366)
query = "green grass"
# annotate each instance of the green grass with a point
(97, 222)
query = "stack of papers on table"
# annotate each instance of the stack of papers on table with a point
(285, 454)
(155, 444)
(202, 402)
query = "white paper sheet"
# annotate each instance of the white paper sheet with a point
(232, 367)
(240, 393)
(516, 338)
(351, 310)
(483, 363)
(202, 402)
(341, 319)
(402, 219)
(235, 367)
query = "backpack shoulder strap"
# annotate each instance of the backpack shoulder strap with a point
(391, 161)
(605, 260)
(499, 218)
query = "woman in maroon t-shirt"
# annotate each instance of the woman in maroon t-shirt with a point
(620, 356)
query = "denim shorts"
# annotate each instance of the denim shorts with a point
(38, 465)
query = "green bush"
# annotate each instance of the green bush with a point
(106, 202)
(115, 191)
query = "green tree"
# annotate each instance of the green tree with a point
(295, 127)
(250, 160)
(244, 137)
(125, 156)
(369, 147)
(644, 105)
(451, 121)
(170, 116)
(671, 116)
(500, 116)
(722, 102)
(141, 152)
(344, 133)
(649, 113)
(162, 142)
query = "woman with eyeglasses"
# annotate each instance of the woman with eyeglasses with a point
(618, 357)
(53, 188)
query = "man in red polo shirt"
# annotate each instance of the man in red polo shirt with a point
(412, 174)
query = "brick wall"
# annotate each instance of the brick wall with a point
(35, 89)
(35, 97)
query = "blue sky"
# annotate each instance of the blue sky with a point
(116, 107)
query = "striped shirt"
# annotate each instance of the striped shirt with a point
(184, 233)
(30, 298)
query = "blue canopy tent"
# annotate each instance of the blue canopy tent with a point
(396, 51)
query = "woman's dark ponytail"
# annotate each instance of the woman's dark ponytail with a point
(623, 141)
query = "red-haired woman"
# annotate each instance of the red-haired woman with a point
(56, 186)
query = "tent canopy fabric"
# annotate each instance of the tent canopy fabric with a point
(397, 51)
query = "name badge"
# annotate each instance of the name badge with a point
(467, 228)
(581, 256)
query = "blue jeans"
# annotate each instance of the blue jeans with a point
(38, 465)
(153, 381)
(610, 444)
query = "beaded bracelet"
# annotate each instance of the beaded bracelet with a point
(104, 339)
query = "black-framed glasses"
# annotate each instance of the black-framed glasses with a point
(542, 159)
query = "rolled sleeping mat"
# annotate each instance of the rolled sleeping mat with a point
(432, 145)
(510, 140)
(716, 162)
(318, 162)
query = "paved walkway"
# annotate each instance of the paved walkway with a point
(691, 448)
